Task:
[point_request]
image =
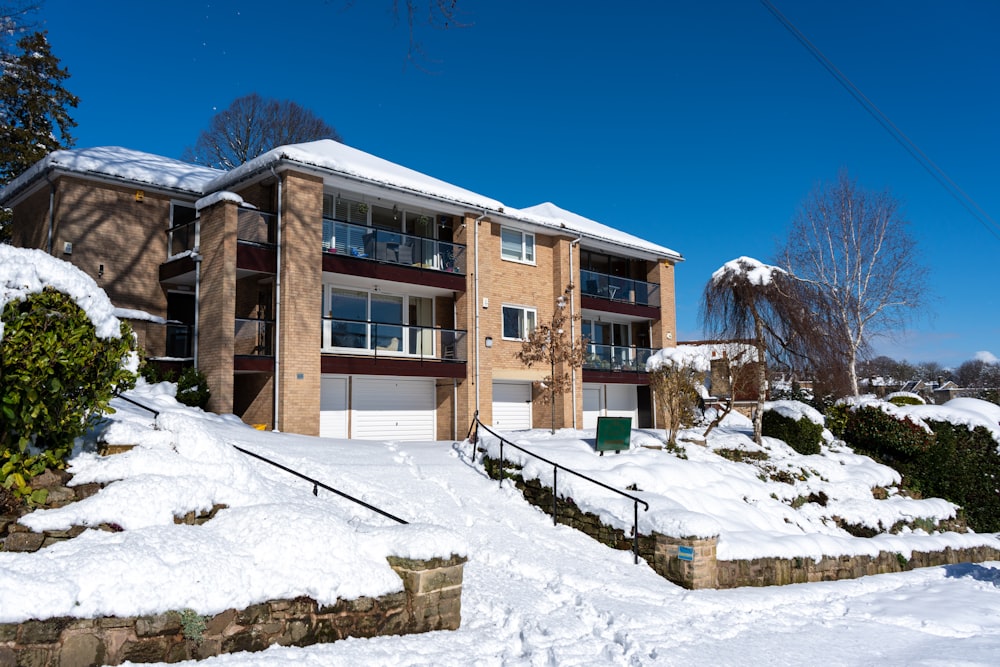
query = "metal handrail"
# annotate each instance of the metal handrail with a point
(316, 484)
(320, 485)
(555, 489)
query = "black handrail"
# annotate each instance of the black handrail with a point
(320, 485)
(555, 490)
(316, 484)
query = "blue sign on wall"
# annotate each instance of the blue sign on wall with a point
(685, 553)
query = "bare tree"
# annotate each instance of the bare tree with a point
(858, 269)
(674, 373)
(253, 125)
(551, 344)
(737, 372)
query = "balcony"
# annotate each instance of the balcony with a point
(405, 341)
(256, 228)
(363, 242)
(618, 289)
(253, 338)
(616, 358)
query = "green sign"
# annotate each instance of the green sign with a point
(613, 434)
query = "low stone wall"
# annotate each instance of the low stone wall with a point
(692, 562)
(431, 600)
(781, 571)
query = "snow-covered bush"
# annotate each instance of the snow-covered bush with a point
(796, 428)
(63, 355)
(893, 439)
(963, 466)
(192, 388)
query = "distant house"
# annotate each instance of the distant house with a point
(324, 290)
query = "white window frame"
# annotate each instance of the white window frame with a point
(527, 246)
(524, 318)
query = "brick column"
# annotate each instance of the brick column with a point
(665, 329)
(465, 318)
(561, 278)
(301, 297)
(217, 302)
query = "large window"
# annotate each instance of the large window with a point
(518, 322)
(362, 319)
(517, 246)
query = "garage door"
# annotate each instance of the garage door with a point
(333, 407)
(592, 405)
(512, 405)
(393, 409)
(621, 401)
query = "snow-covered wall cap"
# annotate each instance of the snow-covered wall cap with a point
(756, 272)
(338, 158)
(550, 215)
(119, 163)
(24, 272)
(216, 197)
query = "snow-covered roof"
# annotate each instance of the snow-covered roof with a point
(118, 163)
(339, 158)
(326, 155)
(550, 215)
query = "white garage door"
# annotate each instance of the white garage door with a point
(593, 399)
(512, 405)
(393, 409)
(333, 407)
(621, 402)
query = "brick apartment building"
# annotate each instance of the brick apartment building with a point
(323, 290)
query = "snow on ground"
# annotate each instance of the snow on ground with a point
(534, 593)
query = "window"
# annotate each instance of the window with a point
(517, 246)
(518, 322)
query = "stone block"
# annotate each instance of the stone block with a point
(158, 625)
(24, 542)
(82, 650)
(42, 632)
(218, 624)
(150, 649)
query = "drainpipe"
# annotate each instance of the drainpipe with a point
(572, 323)
(277, 305)
(52, 210)
(197, 298)
(477, 305)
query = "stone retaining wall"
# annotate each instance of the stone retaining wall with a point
(692, 562)
(431, 600)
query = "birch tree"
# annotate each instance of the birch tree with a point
(852, 248)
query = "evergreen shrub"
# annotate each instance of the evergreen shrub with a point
(55, 375)
(803, 435)
(192, 388)
(892, 440)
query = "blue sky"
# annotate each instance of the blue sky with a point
(700, 126)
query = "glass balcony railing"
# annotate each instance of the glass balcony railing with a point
(616, 358)
(256, 227)
(400, 340)
(254, 338)
(616, 288)
(381, 245)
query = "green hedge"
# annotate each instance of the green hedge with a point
(953, 462)
(802, 435)
(891, 440)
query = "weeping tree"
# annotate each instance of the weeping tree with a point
(745, 300)
(551, 344)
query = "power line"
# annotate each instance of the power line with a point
(922, 158)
